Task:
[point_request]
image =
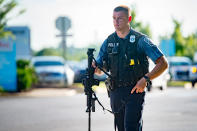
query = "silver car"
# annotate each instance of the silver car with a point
(179, 68)
(52, 71)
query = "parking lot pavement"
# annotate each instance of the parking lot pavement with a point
(70, 91)
(47, 92)
(174, 109)
(52, 91)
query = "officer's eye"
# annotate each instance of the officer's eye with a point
(120, 19)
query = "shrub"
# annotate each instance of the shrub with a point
(1, 89)
(25, 75)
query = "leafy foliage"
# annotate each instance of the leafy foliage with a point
(190, 46)
(185, 46)
(178, 37)
(26, 75)
(137, 25)
(48, 52)
(72, 53)
(6, 6)
(1, 90)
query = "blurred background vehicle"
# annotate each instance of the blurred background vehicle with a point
(52, 71)
(161, 81)
(179, 68)
(193, 70)
(79, 69)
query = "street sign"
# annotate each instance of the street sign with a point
(63, 23)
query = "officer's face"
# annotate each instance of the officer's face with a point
(120, 20)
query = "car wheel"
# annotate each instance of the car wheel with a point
(149, 88)
(161, 88)
(193, 83)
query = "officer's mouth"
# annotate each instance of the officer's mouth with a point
(117, 26)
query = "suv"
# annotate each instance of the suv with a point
(179, 68)
(193, 70)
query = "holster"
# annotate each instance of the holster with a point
(110, 85)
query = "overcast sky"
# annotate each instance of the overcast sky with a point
(92, 19)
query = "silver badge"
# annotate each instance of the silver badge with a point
(132, 38)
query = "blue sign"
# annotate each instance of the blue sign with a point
(8, 75)
(168, 47)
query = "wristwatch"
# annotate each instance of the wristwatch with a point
(147, 79)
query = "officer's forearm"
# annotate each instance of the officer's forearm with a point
(161, 66)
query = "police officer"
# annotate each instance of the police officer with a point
(125, 55)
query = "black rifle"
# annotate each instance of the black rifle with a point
(88, 82)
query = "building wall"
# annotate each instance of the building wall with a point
(22, 40)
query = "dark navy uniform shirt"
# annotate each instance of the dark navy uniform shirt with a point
(144, 44)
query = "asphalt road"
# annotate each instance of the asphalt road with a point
(172, 110)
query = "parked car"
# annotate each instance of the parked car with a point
(52, 70)
(179, 68)
(161, 81)
(80, 69)
(193, 70)
(193, 74)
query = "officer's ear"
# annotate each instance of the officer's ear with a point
(130, 18)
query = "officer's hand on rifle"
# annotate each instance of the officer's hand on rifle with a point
(97, 70)
(140, 86)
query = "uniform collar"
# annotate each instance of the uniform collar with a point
(127, 36)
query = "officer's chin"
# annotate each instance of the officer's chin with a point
(118, 29)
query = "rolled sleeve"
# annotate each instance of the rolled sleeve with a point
(150, 49)
(102, 53)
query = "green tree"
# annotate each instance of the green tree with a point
(48, 52)
(6, 6)
(190, 46)
(72, 53)
(185, 46)
(137, 25)
(26, 75)
(179, 39)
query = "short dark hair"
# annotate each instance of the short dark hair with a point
(123, 8)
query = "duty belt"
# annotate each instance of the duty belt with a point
(124, 84)
(112, 84)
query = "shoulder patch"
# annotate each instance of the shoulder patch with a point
(147, 40)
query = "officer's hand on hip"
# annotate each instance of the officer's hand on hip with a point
(140, 86)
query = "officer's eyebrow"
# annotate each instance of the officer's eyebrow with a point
(117, 17)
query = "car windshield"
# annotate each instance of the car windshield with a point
(48, 63)
(178, 63)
